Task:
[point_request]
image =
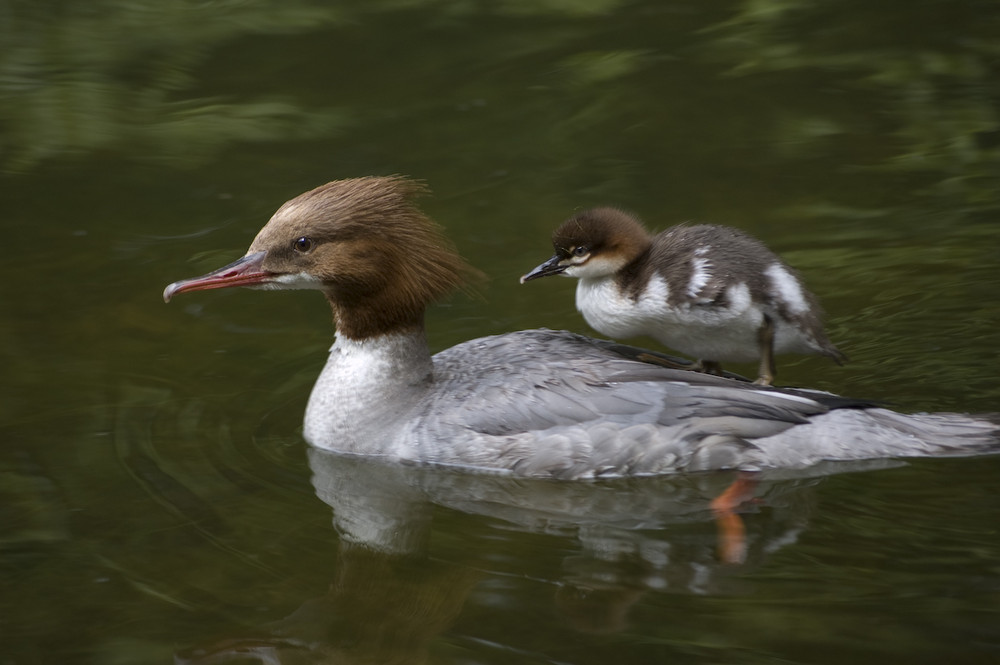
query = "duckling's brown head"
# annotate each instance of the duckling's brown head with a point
(594, 243)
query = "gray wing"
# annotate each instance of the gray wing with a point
(596, 412)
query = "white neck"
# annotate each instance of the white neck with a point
(365, 390)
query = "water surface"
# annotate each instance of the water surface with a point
(158, 502)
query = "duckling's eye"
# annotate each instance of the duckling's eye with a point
(581, 250)
(302, 245)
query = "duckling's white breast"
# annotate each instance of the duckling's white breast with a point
(723, 332)
(615, 313)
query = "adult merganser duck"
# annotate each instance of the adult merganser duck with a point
(708, 291)
(534, 402)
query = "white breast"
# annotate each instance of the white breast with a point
(703, 330)
(365, 391)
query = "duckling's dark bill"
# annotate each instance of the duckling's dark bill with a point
(550, 267)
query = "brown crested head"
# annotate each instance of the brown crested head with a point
(601, 231)
(378, 258)
(364, 243)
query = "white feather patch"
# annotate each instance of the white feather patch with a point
(788, 288)
(292, 281)
(701, 272)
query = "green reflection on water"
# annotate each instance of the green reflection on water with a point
(117, 76)
(156, 495)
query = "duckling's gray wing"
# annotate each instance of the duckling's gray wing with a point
(547, 403)
(554, 404)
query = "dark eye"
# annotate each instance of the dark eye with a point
(580, 250)
(302, 245)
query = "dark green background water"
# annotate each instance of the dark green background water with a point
(156, 499)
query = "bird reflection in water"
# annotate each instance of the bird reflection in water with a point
(394, 591)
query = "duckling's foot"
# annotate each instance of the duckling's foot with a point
(710, 367)
(732, 531)
(666, 361)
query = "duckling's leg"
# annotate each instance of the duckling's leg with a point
(732, 532)
(711, 367)
(765, 342)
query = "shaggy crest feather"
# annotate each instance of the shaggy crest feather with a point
(380, 258)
